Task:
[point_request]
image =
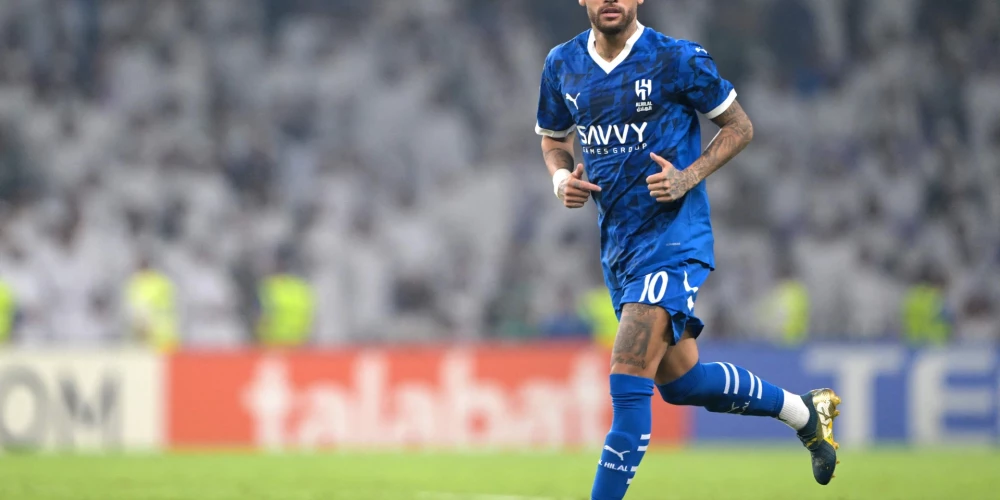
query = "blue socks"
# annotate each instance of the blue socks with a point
(719, 387)
(724, 388)
(626, 443)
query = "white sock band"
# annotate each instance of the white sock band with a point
(794, 412)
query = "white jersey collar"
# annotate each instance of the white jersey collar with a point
(608, 66)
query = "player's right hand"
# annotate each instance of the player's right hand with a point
(574, 191)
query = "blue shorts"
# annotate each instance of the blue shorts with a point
(674, 287)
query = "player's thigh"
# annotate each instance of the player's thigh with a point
(679, 359)
(641, 340)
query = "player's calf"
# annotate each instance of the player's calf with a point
(626, 443)
(639, 346)
(727, 388)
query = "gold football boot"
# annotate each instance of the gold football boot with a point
(817, 435)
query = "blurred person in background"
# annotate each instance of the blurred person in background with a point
(210, 299)
(599, 312)
(151, 301)
(21, 310)
(597, 309)
(978, 310)
(287, 305)
(9, 314)
(565, 322)
(508, 312)
(18, 174)
(926, 316)
(79, 294)
(785, 309)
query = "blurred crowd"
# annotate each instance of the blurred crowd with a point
(329, 171)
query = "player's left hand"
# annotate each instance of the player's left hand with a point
(670, 184)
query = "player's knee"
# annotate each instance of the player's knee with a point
(680, 359)
(629, 364)
(686, 390)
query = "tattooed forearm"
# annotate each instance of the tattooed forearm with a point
(735, 133)
(557, 153)
(558, 158)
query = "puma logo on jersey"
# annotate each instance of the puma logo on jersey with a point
(573, 100)
(621, 455)
(703, 51)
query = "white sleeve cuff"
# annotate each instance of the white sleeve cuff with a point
(722, 107)
(555, 134)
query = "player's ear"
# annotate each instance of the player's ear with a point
(583, 3)
(639, 2)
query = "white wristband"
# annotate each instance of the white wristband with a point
(557, 179)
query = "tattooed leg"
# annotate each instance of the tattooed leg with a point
(641, 341)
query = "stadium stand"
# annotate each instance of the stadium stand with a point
(390, 160)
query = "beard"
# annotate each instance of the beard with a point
(612, 28)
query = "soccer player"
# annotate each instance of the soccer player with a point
(632, 95)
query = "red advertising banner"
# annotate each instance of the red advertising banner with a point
(484, 396)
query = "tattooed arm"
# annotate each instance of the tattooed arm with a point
(557, 153)
(736, 131)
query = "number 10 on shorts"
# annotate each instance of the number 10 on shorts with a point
(655, 287)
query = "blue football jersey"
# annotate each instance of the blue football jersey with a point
(646, 100)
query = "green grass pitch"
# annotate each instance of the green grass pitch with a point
(697, 473)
